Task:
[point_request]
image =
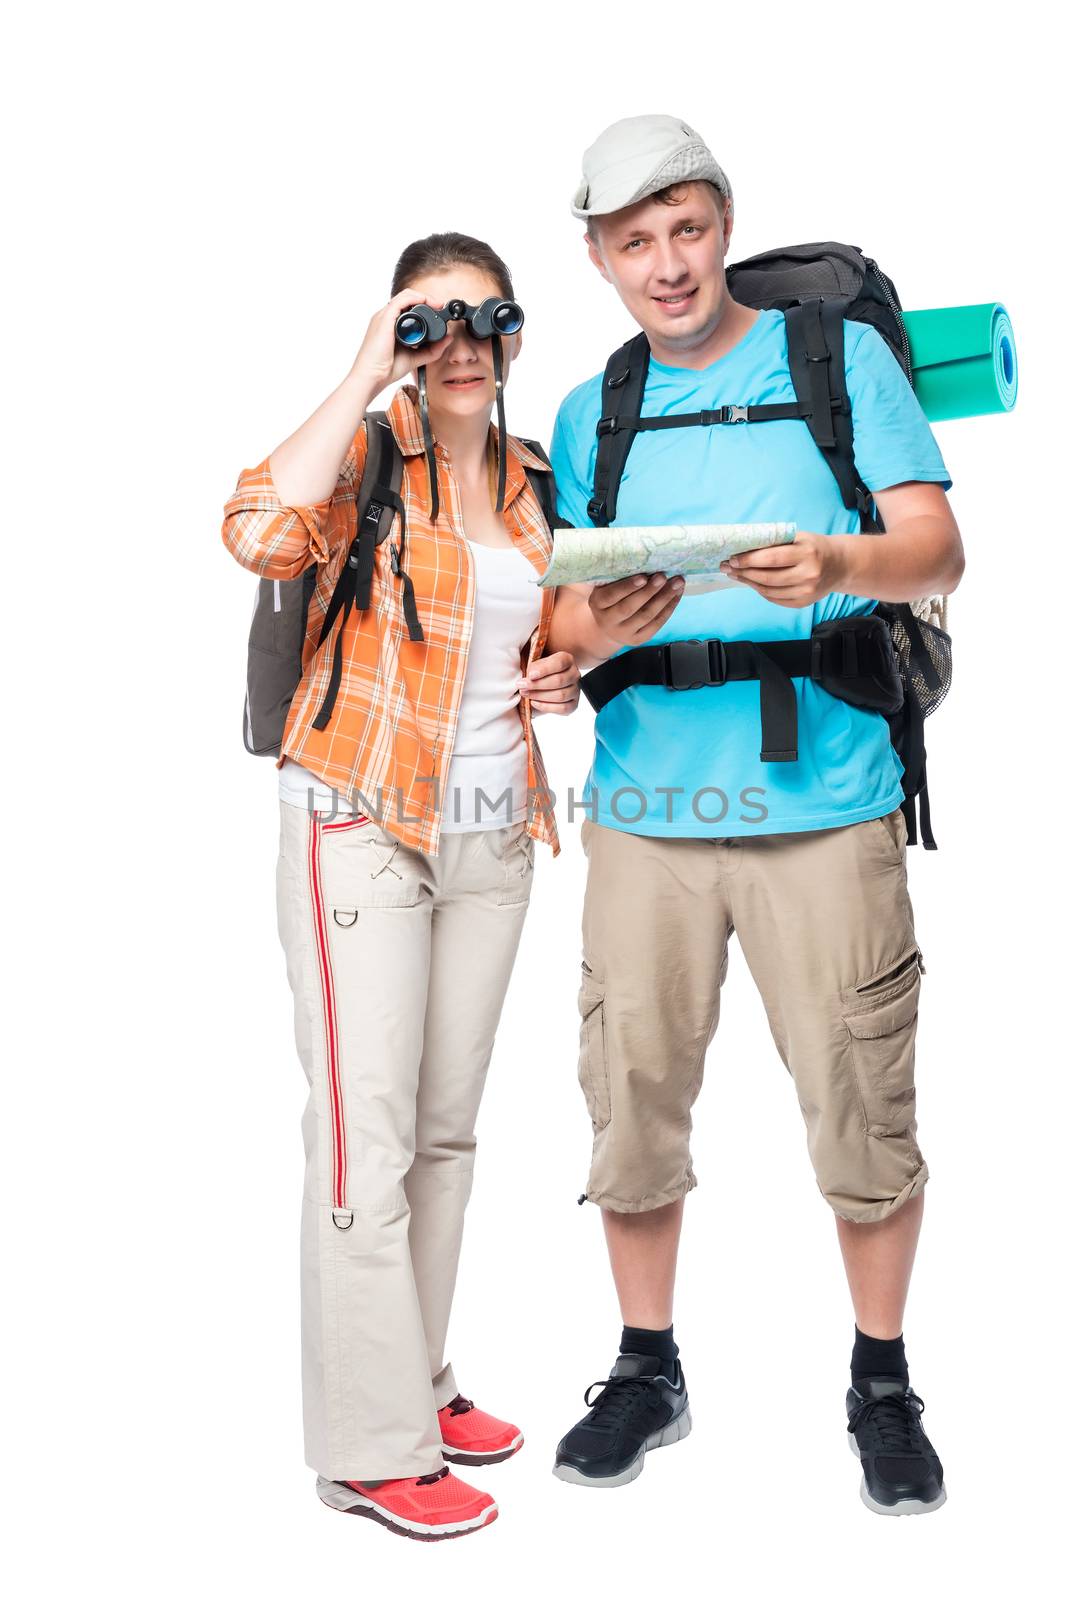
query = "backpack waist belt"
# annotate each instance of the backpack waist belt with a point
(851, 657)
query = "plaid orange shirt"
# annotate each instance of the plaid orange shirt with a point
(395, 717)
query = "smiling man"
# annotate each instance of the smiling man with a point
(694, 832)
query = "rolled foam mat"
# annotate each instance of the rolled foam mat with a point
(963, 360)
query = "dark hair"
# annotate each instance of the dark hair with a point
(670, 196)
(440, 250)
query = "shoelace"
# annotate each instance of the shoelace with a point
(619, 1398)
(432, 1477)
(895, 1420)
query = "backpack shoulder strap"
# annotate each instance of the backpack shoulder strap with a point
(544, 486)
(377, 500)
(382, 470)
(622, 389)
(815, 345)
(815, 342)
(384, 503)
(377, 427)
(535, 448)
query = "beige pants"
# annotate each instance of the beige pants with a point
(398, 963)
(825, 924)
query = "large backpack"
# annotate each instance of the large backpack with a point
(280, 613)
(817, 286)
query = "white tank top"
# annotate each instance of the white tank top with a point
(490, 753)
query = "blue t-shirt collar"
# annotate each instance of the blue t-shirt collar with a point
(693, 372)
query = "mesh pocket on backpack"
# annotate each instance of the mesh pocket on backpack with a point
(930, 694)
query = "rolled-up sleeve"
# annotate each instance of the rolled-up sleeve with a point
(280, 541)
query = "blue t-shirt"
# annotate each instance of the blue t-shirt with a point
(706, 741)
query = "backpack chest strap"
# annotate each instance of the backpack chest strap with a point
(786, 411)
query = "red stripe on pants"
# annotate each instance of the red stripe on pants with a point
(333, 1057)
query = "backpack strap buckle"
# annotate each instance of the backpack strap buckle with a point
(735, 414)
(695, 664)
(607, 425)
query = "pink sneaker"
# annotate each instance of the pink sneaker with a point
(474, 1438)
(438, 1506)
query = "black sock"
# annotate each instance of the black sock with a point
(878, 1358)
(650, 1342)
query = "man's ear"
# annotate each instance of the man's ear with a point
(596, 257)
(728, 224)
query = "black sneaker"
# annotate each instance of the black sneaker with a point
(902, 1474)
(638, 1409)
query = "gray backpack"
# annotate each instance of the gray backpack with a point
(280, 615)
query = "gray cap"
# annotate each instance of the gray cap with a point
(637, 157)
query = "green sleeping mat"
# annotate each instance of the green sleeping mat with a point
(963, 360)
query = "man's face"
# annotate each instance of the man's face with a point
(665, 261)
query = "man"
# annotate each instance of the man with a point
(690, 837)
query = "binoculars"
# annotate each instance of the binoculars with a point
(421, 325)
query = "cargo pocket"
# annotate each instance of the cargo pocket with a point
(593, 1054)
(364, 867)
(881, 1021)
(517, 860)
(893, 824)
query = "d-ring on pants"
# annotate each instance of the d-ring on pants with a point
(398, 962)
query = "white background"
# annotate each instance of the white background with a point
(204, 207)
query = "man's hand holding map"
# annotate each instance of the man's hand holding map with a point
(605, 555)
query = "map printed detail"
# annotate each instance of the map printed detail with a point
(604, 555)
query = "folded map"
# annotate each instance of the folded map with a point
(604, 555)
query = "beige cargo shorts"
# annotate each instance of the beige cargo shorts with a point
(825, 924)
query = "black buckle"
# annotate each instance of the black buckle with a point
(688, 664)
(595, 510)
(736, 413)
(607, 425)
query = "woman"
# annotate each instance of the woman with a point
(402, 887)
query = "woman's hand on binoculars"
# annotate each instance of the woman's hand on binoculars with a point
(551, 684)
(380, 360)
(631, 610)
